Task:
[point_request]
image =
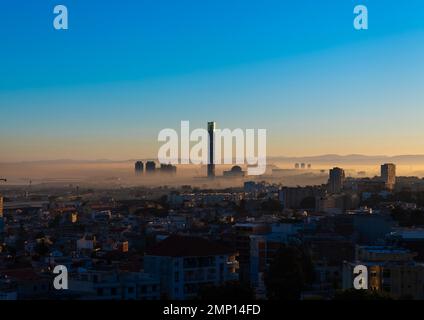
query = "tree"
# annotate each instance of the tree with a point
(290, 271)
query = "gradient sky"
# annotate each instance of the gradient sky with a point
(126, 69)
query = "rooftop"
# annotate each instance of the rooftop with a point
(187, 246)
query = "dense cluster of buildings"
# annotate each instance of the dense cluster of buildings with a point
(302, 165)
(150, 168)
(171, 243)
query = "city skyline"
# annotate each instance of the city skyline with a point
(108, 85)
(252, 153)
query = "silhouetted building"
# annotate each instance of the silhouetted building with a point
(150, 166)
(336, 180)
(331, 204)
(211, 162)
(139, 167)
(388, 175)
(235, 171)
(364, 228)
(299, 197)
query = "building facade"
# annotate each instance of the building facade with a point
(336, 180)
(388, 175)
(391, 270)
(211, 160)
(185, 264)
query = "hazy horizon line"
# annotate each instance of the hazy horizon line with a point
(325, 155)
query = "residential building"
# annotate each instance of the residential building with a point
(388, 175)
(114, 285)
(336, 180)
(184, 264)
(390, 270)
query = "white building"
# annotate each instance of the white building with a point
(185, 264)
(113, 285)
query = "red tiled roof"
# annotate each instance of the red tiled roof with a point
(184, 246)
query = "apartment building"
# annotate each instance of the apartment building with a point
(185, 264)
(390, 269)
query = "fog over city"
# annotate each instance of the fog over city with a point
(109, 173)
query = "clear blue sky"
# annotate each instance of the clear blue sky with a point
(126, 69)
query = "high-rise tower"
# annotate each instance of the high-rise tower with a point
(336, 180)
(1, 206)
(388, 175)
(211, 162)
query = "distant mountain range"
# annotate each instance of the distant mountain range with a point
(326, 158)
(354, 158)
